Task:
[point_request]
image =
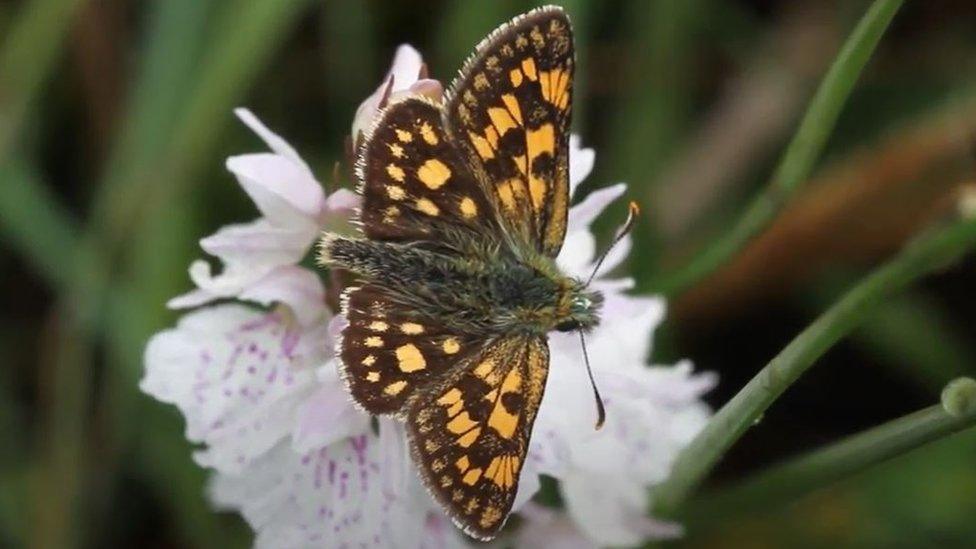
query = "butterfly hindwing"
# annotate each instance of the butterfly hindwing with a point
(510, 112)
(469, 434)
(389, 354)
(415, 185)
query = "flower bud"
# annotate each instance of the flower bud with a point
(959, 397)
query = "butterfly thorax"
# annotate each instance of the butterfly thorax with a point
(488, 292)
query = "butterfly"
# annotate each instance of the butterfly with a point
(464, 211)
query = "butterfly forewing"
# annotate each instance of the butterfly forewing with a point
(510, 111)
(469, 436)
(414, 182)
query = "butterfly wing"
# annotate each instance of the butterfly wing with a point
(469, 434)
(510, 112)
(414, 182)
(415, 188)
(389, 354)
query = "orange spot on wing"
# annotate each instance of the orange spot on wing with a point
(515, 76)
(409, 358)
(468, 438)
(462, 423)
(513, 107)
(450, 397)
(433, 173)
(481, 146)
(528, 67)
(501, 119)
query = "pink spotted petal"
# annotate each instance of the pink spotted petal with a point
(328, 416)
(327, 497)
(238, 376)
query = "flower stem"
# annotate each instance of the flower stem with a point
(929, 252)
(797, 162)
(834, 462)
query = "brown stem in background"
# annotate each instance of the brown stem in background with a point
(860, 207)
(97, 50)
(753, 114)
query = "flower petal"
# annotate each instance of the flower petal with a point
(273, 140)
(327, 417)
(286, 193)
(298, 288)
(576, 256)
(332, 496)
(583, 214)
(343, 201)
(238, 375)
(403, 73)
(542, 527)
(406, 66)
(611, 510)
(258, 244)
(580, 162)
(250, 252)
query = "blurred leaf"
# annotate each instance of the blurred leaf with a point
(463, 26)
(33, 221)
(655, 98)
(168, 69)
(241, 45)
(14, 518)
(27, 55)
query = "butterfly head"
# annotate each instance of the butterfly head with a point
(580, 310)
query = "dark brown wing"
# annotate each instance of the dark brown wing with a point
(388, 354)
(414, 183)
(469, 434)
(510, 111)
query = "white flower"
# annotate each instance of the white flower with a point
(261, 394)
(260, 257)
(260, 390)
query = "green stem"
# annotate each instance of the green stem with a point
(832, 463)
(927, 253)
(797, 162)
(35, 223)
(27, 56)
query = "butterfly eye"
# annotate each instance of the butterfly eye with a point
(568, 326)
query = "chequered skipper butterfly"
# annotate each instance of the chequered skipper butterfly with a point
(465, 209)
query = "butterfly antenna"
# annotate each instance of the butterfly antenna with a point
(601, 412)
(632, 213)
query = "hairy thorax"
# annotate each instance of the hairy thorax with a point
(488, 292)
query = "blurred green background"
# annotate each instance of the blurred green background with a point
(115, 118)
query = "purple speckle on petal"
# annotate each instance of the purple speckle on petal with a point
(289, 342)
